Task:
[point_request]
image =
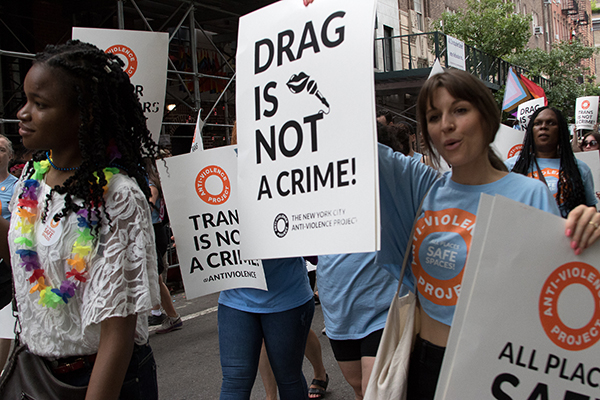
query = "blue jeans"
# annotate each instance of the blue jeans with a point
(240, 339)
(140, 381)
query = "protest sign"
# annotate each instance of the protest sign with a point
(145, 57)
(456, 52)
(307, 171)
(201, 197)
(527, 323)
(586, 112)
(7, 323)
(197, 143)
(508, 142)
(526, 109)
(592, 159)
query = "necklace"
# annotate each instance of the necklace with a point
(27, 210)
(49, 158)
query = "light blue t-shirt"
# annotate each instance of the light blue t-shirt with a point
(7, 188)
(403, 182)
(417, 156)
(355, 294)
(550, 168)
(287, 281)
(444, 231)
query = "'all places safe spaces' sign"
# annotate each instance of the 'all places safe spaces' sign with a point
(306, 129)
(201, 197)
(527, 323)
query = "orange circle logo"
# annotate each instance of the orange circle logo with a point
(204, 194)
(516, 149)
(53, 223)
(585, 104)
(557, 331)
(131, 61)
(440, 246)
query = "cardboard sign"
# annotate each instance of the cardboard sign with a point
(145, 57)
(307, 172)
(526, 109)
(456, 52)
(586, 112)
(200, 193)
(527, 324)
(592, 159)
(508, 142)
(197, 143)
(7, 323)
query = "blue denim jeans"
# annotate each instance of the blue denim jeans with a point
(140, 381)
(240, 339)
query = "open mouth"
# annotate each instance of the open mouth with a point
(451, 144)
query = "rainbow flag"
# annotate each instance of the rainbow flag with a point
(515, 93)
(535, 90)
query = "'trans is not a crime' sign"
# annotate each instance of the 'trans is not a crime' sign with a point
(145, 57)
(201, 197)
(307, 167)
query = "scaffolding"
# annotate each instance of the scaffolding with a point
(200, 76)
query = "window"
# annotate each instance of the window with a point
(388, 49)
(419, 11)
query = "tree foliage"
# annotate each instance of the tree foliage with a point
(563, 67)
(489, 25)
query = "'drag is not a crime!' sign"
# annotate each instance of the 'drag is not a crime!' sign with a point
(306, 129)
(201, 197)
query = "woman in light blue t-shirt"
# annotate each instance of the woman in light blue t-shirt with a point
(547, 155)
(459, 119)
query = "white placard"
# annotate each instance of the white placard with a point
(456, 52)
(508, 142)
(528, 319)
(7, 323)
(592, 159)
(201, 197)
(198, 143)
(307, 172)
(586, 112)
(526, 109)
(145, 57)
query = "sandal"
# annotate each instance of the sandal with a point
(320, 389)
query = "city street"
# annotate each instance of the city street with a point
(188, 359)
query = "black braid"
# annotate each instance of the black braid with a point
(571, 191)
(111, 119)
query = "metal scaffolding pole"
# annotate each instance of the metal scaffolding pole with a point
(194, 49)
(120, 14)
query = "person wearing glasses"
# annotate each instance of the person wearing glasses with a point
(547, 155)
(590, 142)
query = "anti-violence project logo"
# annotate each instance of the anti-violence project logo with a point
(441, 243)
(571, 283)
(281, 225)
(213, 179)
(585, 104)
(516, 149)
(127, 55)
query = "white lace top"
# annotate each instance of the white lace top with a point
(122, 273)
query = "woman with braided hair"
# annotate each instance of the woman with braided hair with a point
(548, 156)
(81, 238)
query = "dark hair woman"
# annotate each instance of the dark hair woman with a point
(81, 238)
(547, 155)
